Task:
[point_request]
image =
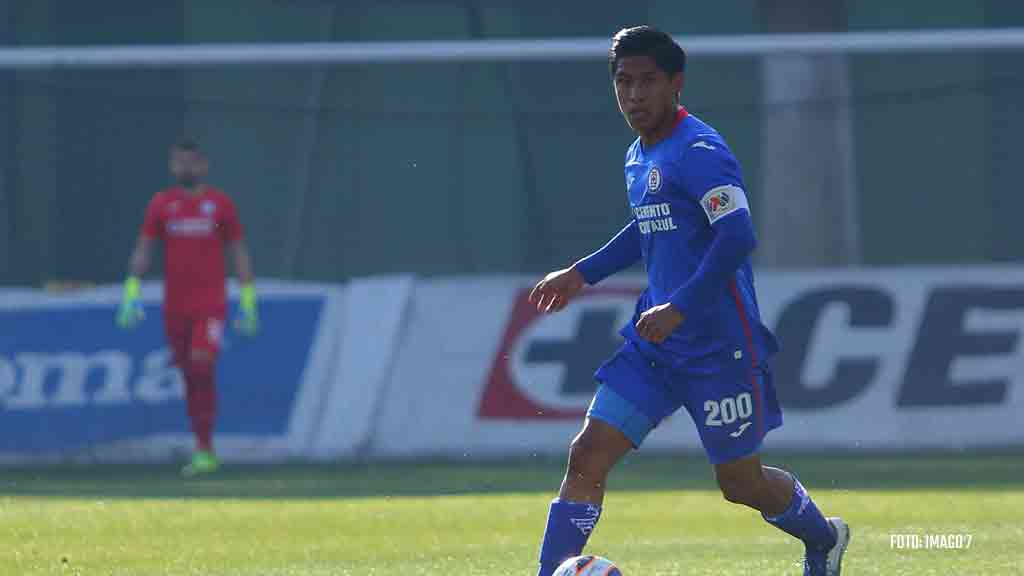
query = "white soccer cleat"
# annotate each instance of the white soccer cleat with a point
(829, 563)
(834, 560)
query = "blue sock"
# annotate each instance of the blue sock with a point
(569, 526)
(803, 520)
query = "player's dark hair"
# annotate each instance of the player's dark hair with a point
(187, 144)
(647, 41)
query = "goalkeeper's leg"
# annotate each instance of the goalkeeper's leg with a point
(201, 391)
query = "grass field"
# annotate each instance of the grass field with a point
(662, 517)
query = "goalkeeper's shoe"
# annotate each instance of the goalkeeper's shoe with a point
(202, 463)
(829, 563)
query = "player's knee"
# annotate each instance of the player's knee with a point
(200, 356)
(738, 489)
(200, 362)
(586, 457)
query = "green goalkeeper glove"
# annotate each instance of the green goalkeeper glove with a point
(248, 321)
(130, 312)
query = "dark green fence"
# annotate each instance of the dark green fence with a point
(464, 168)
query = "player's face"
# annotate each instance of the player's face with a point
(187, 166)
(646, 94)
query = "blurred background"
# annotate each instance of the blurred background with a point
(398, 212)
(477, 163)
(881, 180)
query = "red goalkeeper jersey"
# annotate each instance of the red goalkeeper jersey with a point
(194, 229)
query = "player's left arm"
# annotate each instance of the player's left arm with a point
(713, 179)
(231, 229)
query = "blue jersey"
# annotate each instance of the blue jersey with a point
(691, 226)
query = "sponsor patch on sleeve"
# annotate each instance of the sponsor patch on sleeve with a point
(722, 201)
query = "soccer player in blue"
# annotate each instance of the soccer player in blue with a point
(696, 339)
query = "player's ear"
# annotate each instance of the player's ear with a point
(677, 82)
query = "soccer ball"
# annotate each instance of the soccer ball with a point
(587, 566)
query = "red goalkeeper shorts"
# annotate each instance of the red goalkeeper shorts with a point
(192, 335)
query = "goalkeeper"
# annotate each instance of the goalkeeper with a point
(197, 224)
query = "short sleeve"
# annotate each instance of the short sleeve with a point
(152, 225)
(230, 226)
(712, 178)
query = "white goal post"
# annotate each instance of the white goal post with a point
(496, 50)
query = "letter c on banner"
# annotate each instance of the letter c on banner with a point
(868, 308)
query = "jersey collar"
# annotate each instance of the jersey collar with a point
(681, 115)
(181, 191)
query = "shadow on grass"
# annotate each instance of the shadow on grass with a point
(967, 471)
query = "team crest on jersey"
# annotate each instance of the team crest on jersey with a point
(654, 180)
(207, 207)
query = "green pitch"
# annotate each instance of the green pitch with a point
(662, 517)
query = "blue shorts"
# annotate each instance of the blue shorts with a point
(733, 408)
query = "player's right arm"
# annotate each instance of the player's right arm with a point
(556, 289)
(621, 252)
(141, 257)
(130, 313)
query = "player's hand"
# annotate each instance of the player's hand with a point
(247, 324)
(656, 323)
(556, 289)
(130, 312)
(248, 321)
